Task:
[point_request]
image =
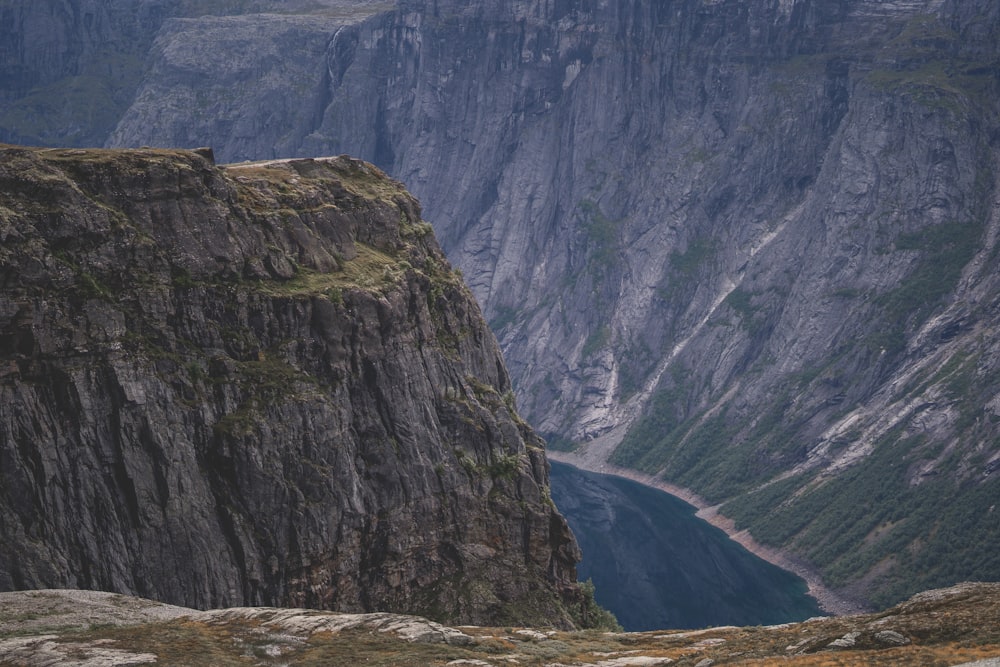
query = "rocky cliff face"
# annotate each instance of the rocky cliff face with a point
(260, 384)
(749, 246)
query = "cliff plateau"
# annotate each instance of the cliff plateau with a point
(260, 384)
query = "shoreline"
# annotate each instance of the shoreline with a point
(829, 601)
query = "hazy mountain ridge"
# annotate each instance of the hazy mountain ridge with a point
(258, 384)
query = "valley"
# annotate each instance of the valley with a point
(744, 249)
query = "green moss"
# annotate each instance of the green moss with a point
(920, 72)
(238, 424)
(371, 269)
(273, 375)
(92, 288)
(505, 315)
(504, 466)
(693, 258)
(847, 293)
(595, 342)
(601, 234)
(472, 469)
(741, 301)
(944, 250)
(88, 285)
(195, 372)
(559, 443)
(181, 278)
(592, 616)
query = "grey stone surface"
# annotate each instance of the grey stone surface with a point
(891, 638)
(260, 385)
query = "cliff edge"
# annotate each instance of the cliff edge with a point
(259, 384)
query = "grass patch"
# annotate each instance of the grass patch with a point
(944, 250)
(505, 316)
(693, 258)
(919, 70)
(595, 342)
(176, 643)
(601, 234)
(372, 269)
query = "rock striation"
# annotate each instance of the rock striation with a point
(260, 384)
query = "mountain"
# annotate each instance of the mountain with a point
(69, 69)
(955, 626)
(748, 248)
(260, 384)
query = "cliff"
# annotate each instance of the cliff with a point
(259, 384)
(746, 247)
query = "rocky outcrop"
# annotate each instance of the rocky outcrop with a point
(258, 385)
(52, 628)
(748, 247)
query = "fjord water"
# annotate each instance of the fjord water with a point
(656, 565)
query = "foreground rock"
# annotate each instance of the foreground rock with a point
(945, 627)
(260, 385)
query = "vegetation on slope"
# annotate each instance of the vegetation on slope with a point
(934, 628)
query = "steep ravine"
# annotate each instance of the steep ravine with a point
(258, 385)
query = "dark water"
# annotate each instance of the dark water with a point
(657, 566)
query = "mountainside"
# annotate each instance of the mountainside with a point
(258, 385)
(955, 626)
(69, 69)
(748, 247)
